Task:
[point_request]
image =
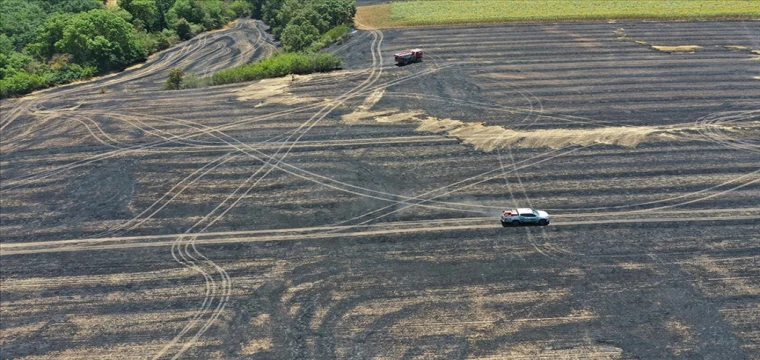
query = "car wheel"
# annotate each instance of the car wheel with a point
(504, 224)
(516, 223)
(542, 222)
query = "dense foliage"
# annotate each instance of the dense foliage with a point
(49, 42)
(303, 27)
(300, 23)
(280, 64)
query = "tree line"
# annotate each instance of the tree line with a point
(49, 42)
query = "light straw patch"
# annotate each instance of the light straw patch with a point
(681, 48)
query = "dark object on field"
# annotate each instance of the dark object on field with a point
(412, 56)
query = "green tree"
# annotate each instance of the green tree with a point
(256, 8)
(100, 37)
(6, 45)
(309, 15)
(146, 11)
(269, 11)
(19, 19)
(125, 4)
(163, 6)
(241, 9)
(337, 12)
(47, 35)
(73, 6)
(297, 37)
(213, 13)
(174, 81)
(190, 10)
(289, 10)
(12, 62)
(183, 28)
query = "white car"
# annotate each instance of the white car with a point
(517, 217)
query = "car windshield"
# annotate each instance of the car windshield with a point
(535, 212)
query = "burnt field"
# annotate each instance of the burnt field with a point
(354, 214)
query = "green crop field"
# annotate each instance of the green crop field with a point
(432, 12)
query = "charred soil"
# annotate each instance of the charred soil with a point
(355, 214)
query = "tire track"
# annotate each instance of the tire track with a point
(728, 182)
(163, 60)
(528, 233)
(346, 232)
(460, 185)
(710, 127)
(326, 181)
(14, 183)
(225, 282)
(170, 195)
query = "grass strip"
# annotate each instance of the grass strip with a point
(447, 12)
(280, 64)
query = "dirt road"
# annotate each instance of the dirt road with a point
(355, 214)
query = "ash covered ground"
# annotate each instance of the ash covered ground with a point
(354, 214)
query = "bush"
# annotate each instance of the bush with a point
(20, 83)
(174, 82)
(166, 38)
(193, 81)
(332, 36)
(147, 41)
(278, 65)
(71, 73)
(326, 62)
(183, 29)
(196, 29)
(337, 32)
(13, 61)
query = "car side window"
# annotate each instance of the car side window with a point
(529, 215)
